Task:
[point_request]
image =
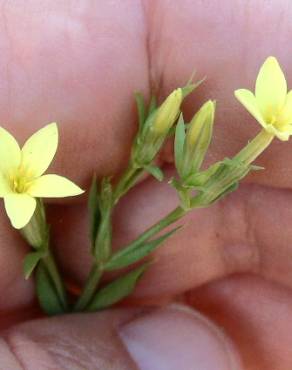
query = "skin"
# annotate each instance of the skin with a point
(78, 64)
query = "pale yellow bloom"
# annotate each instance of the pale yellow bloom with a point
(21, 174)
(271, 105)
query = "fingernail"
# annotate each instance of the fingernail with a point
(178, 338)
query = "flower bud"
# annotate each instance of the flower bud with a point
(167, 113)
(198, 137)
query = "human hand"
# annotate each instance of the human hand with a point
(79, 64)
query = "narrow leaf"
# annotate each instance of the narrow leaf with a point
(30, 262)
(152, 105)
(227, 191)
(117, 290)
(179, 141)
(47, 296)
(94, 211)
(199, 179)
(155, 172)
(102, 243)
(141, 109)
(135, 252)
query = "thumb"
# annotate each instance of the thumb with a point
(171, 338)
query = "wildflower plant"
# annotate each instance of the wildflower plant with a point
(23, 186)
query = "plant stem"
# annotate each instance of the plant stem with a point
(169, 219)
(52, 270)
(96, 271)
(89, 289)
(127, 181)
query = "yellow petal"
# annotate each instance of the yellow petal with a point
(53, 186)
(40, 149)
(4, 186)
(19, 208)
(271, 88)
(283, 136)
(285, 132)
(10, 154)
(285, 116)
(282, 133)
(248, 100)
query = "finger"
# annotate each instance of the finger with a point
(80, 68)
(257, 316)
(122, 340)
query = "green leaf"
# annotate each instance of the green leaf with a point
(106, 194)
(47, 295)
(94, 211)
(30, 262)
(102, 246)
(152, 105)
(117, 290)
(136, 251)
(155, 172)
(141, 109)
(179, 141)
(227, 191)
(102, 243)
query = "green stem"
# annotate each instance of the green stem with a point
(96, 271)
(52, 270)
(127, 181)
(36, 233)
(89, 289)
(169, 219)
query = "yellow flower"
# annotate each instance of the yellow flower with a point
(21, 174)
(271, 105)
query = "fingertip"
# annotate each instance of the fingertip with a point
(177, 337)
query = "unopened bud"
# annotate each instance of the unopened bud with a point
(199, 136)
(168, 112)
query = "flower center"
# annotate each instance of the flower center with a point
(19, 185)
(277, 120)
(20, 180)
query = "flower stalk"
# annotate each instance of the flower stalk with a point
(89, 288)
(255, 147)
(36, 233)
